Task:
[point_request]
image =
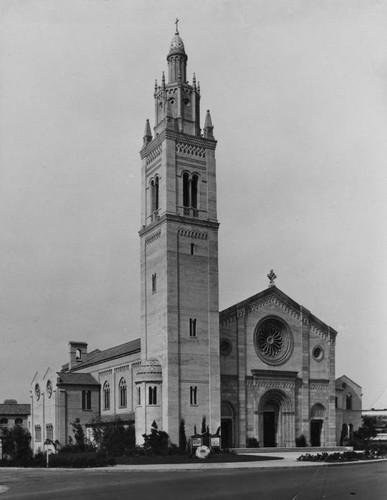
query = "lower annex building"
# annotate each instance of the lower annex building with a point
(261, 371)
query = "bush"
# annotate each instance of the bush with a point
(252, 442)
(80, 460)
(156, 443)
(114, 439)
(301, 441)
(16, 445)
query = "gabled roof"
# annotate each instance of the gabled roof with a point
(97, 356)
(273, 293)
(15, 409)
(69, 378)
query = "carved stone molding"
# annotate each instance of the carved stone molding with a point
(152, 238)
(190, 149)
(152, 155)
(189, 233)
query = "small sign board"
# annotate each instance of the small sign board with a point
(196, 441)
(215, 442)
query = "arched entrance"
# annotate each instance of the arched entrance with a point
(228, 424)
(317, 416)
(276, 419)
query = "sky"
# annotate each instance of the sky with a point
(298, 97)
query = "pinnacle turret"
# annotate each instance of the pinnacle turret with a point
(147, 133)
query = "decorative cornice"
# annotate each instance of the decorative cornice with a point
(153, 237)
(178, 137)
(168, 217)
(105, 373)
(189, 233)
(153, 154)
(190, 149)
(319, 384)
(274, 296)
(271, 384)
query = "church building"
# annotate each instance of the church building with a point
(261, 372)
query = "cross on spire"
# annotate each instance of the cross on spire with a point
(177, 27)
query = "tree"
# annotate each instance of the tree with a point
(114, 439)
(182, 436)
(204, 427)
(79, 434)
(16, 444)
(367, 430)
(157, 441)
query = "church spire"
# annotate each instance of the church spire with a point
(208, 127)
(147, 133)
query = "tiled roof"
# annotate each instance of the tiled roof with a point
(96, 356)
(110, 419)
(70, 378)
(15, 409)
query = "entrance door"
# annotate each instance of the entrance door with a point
(226, 427)
(269, 429)
(315, 432)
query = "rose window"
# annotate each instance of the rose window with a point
(273, 341)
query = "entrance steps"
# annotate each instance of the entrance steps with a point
(300, 450)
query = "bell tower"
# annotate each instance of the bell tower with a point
(179, 375)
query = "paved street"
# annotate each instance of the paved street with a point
(334, 482)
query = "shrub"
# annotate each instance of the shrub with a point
(182, 437)
(252, 442)
(301, 441)
(80, 460)
(114, 439)
(156, 443)
(16, 445)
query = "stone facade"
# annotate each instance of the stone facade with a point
(277, 373)
(348, 404)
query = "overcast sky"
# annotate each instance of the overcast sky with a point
(298, 96)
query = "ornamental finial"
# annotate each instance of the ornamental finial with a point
(272, 276)
(177, 27)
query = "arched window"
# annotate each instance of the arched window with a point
(4, 422)
(191, 194)
(106, 396)
(122, 387)
(194, 191)
(139, 396)
(154, 194)
(152, 400)
(193, 390)
(38, 433)
(49, 432)
(78, 355)
(18, 421)
(186, 186)
(348, 402)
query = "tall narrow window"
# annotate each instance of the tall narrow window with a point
(123, 399)
(192, 327)
(186, 186)
(154, 283)
(348, 402)
(336, 402)
(86, 400)
(139, 396)
(38, 433)
(194, 195)
(106, 396)
(193, 248)
(154, 186)
(49, 432)
(193, 395)
(152, 395)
